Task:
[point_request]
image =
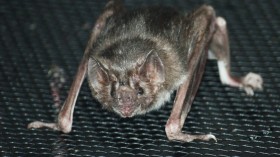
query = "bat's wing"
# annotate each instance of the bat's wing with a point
(65, 117)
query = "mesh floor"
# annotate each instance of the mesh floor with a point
(37, 34)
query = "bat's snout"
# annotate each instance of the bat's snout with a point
(126, 101)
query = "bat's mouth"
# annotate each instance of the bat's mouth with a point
(125, 111)
(124, 116)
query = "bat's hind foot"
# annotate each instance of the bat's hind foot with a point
(252, 82)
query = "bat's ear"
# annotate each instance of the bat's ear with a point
(98, 75)
(152, 69)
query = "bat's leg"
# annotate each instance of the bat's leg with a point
(202, 28)
(65, 116)
(220, 48)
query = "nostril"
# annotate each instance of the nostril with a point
(127, 98)
(126, 95)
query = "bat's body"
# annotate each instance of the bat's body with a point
(149, 40)
(136, 59)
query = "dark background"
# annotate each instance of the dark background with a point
(36, 34)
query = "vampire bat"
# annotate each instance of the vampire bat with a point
(135, 59)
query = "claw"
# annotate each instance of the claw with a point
(209, 137)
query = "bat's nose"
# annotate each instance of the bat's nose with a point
(126, 95)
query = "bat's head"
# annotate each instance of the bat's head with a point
(126, 84)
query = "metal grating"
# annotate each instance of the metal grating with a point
(36, 34)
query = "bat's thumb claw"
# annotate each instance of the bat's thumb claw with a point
(210, 137)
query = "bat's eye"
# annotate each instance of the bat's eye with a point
(140, 91)
(113, 90)
(112, 93)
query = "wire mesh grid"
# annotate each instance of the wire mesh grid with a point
(37, 34)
